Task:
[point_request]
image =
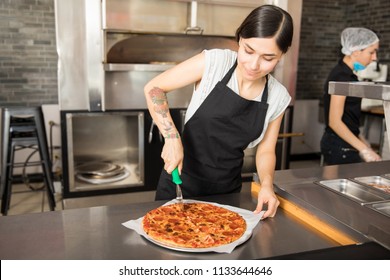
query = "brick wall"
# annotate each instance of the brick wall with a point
(28, 58)
(374, 15)
(321, 25)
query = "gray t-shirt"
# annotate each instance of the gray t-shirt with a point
(218, 63)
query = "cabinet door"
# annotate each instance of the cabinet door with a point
(212, 19)
(153, 147)
(176, 16)
(145, 16)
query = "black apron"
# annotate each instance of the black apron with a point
(214, 140)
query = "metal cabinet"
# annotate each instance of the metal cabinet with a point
(162, 16)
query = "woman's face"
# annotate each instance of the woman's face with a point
(367, 55)
(257, 57)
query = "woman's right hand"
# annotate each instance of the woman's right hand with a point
(368, 155)
(172, 154)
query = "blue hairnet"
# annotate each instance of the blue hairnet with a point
(357, 38)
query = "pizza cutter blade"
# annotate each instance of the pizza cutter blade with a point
(176, 179)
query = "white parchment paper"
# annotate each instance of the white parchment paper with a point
(251, 221)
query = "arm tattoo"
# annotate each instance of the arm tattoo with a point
(160, 101)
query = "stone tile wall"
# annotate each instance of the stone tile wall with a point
(28, 58)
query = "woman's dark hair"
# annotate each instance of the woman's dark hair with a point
(268, 21)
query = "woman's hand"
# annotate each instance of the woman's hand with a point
(172, 154)
(265, 165)
(368, 155)
(267, 196)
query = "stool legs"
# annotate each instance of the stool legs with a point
(6, 181)
(47, 177)
(12, 140)
(46, 162)
(6, 198)
(4, 150)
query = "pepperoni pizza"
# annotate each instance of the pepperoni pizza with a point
(193, 225)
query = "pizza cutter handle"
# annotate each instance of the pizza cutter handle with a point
(176, 177)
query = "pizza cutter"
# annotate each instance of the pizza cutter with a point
(176, 179)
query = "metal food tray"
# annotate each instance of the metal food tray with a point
(353, 190)
(376, 182)
(387, 176)
(381, 207)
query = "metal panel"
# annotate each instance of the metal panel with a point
(160, 49)
(94, 45)
(212, 19)
(287, 69)
(72, 82)
(79, 48)
(144, 16)
(371, 90)
(124, 89)
(177, 16)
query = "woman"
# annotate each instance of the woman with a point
(341, 142)
(236, 103)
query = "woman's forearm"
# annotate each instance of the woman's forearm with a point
(265, 166)
(159, 109)
(344, 133)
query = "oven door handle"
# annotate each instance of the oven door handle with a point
(151, 133)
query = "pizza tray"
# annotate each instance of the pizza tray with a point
(250, 218)
(97, 181)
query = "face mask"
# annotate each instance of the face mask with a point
(357, 66)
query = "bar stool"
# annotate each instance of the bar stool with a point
(23, 128)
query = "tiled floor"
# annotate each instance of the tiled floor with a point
(24, 200)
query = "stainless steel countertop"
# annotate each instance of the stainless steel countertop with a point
(298, 186)
(97, 233)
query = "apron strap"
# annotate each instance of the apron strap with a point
(229, 74)
(264, 97)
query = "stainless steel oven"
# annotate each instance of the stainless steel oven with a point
(112, 151)
(104, 150)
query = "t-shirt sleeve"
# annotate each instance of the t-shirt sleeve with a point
(285, 100)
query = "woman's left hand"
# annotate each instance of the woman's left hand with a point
(267, 196)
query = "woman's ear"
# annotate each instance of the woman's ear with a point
(355, 53)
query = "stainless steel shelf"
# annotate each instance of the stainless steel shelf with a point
(371, 90)
(152, 67)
